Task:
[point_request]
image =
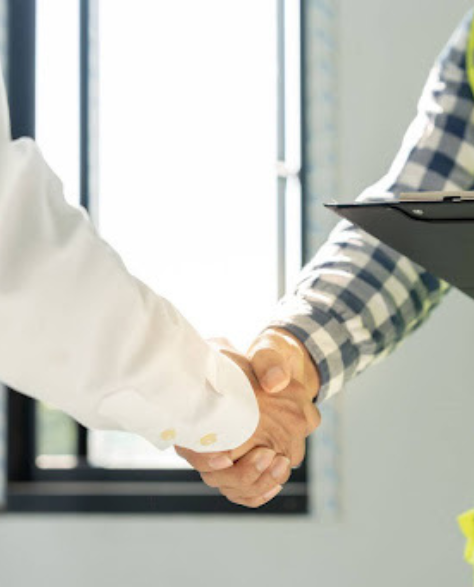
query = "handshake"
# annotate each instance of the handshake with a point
(286, 382)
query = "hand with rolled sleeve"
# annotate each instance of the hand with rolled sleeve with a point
(254, 473)
(358, 299)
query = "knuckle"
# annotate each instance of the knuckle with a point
(228, 493)
(262, 487)
(298, 455)
(261, 501)
(286, 476)
(254, 505)
(252, 502)
(210, 480)
(200, 466)
(313, 424)
(301, 424)
(270, 485)
(236, 501)
(313, 418)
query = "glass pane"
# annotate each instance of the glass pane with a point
(187, 163)
(126, 451)
(57, 132)
(56, 438)
(57, 89)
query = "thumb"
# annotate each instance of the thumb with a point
(276, 359)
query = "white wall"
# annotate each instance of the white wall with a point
(409, 433)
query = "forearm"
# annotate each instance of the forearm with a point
(83, 334)
(358, 299)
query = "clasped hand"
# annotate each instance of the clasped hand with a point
(285, 382)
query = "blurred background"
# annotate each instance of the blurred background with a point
(182, 126)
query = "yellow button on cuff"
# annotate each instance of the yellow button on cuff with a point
(168, 435)
(208, 439)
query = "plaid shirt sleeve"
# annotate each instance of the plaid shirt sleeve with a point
(358, 299)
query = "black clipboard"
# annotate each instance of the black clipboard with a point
(435, 232)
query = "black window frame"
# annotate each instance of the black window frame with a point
(99, 490)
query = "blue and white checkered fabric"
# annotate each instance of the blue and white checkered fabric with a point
(358, 299)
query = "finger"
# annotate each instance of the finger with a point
(276, 359)
(313, 418)
(245, 472)
(256, 502)
(205, 463)
(277, 475)
(298, 453)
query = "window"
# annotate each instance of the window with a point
(165, 120)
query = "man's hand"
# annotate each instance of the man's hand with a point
(254, 473)
(277, 358)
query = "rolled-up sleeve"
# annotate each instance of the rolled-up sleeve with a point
(358, 299)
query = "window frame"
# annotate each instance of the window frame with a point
(93, 489)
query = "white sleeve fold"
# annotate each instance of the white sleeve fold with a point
(79, 332)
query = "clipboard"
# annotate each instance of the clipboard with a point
(433, 229)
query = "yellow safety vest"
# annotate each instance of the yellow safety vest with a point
(470, 58)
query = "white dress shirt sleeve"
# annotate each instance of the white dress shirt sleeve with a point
(79, 332)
